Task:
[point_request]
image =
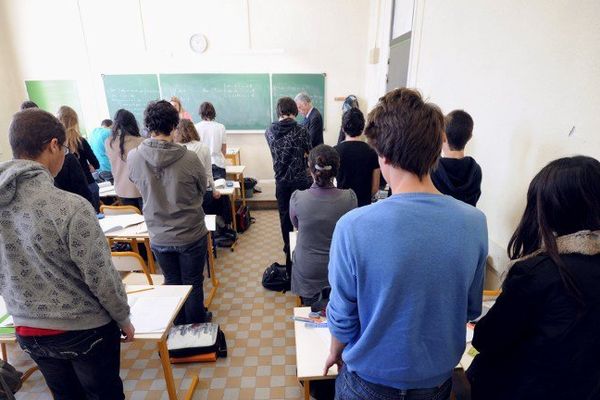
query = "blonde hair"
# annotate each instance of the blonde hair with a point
(68, 117)
(186, 132)
(181, 110)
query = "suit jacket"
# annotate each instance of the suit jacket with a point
(314, 126)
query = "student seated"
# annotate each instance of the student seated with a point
(213, 134)
(125, 136)
(541, 338)
(58, 282)
(172, 182)
(359, 166)
(187, 135)
(81, 149)
(458, 175)
(289, 144)
(314, 212)
(406, 273)
(97, 139)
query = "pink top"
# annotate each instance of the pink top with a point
(186, 115)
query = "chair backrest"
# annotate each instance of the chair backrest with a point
(128, 261)
(119, 210)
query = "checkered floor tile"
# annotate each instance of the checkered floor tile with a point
(260, 335)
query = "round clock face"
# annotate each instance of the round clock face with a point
(198, 43)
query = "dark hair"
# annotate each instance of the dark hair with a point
(186, 131)
(286, 106)
(124, 124)
(324, 163)
(107, 123)
(563, 198)
(353, 122)
(31, 130)
(406, 131)
(28, 104)
(161, 117)
(459, 129)
(207, 111)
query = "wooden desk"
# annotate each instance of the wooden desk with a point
(312, 349)
(233, 154)
(237, 171)
(140, 231)
(108, 191)
(160, 338)
(4, 340)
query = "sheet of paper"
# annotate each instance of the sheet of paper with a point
(7, 322)
(469, 335)
(152, 314)
(117, 222)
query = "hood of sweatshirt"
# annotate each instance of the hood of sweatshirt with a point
(459, 178)
(13, 172)
(160, 154)
(282, 128)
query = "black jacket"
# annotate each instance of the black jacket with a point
(314, 126)
(536, 342)
(86, 157)
(72, 179)
(289, 144)
(459, 178)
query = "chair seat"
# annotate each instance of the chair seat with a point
(139, 278)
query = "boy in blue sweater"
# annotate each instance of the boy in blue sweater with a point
(407, 272)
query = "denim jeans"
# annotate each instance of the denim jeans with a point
(95, 190)
(350, 386)
(184, 265)
(79, 364)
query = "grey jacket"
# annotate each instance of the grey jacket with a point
(172, 182)
(55, 265)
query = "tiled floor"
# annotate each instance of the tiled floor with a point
(256, 322)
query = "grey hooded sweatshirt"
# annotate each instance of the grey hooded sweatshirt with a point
(56, 270)
(172, 182)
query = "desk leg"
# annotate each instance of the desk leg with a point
(168, 372)
(211, 269)
(4, 352)
(232, 199)
(243, 187)
(306, 390)
(151, 263)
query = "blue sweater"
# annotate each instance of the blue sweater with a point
(406, 276)
(97, 139)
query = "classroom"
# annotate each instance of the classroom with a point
(338, 192)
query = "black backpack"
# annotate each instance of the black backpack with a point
(276, 278)
(10, 381)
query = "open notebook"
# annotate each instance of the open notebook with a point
(114, 223)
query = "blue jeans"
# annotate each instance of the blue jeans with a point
(95, 190)
(350, 386)
(79, 364)
(184, 265)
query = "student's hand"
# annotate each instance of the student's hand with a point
(216, 194)
(331, 360)
(129, 332)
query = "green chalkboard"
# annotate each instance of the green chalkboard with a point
(291, 84)
(131, 92)
(52, 94)
(242, 101)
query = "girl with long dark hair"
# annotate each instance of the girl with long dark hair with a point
(125, 136)
(541, 340)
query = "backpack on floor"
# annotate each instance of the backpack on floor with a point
(243, 220)
(225, 237)
(187, 341)
(276, 278)
(10, 381)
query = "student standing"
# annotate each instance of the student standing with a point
(289, 144)
(407, 272)
(125, 136)
(359, 167)
(72, 179)
(214, 136)
(183, 114)
(187, 135)
(540, 339)
(315, 212)
(458, 175)
(58, 282)
(82, 150)
(97, 139)
(172, 182)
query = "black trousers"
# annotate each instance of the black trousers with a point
(283, 193)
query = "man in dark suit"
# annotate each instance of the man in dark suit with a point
(313, 121)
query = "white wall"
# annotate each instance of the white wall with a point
(527, 72)
(88, 38)
(12, 91)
